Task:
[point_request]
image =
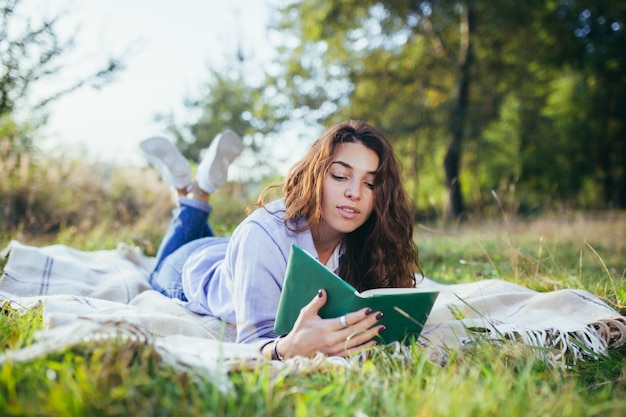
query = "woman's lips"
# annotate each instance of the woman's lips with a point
(349, 212)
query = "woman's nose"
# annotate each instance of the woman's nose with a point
(352, 191)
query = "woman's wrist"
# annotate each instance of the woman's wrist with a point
(276, 356)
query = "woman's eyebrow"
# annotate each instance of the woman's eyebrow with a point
(347, 165)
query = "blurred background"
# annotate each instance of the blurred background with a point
(492, 106)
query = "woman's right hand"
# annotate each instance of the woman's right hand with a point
(312, 334)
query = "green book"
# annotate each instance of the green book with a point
(405, 309)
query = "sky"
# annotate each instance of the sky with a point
(167, 46)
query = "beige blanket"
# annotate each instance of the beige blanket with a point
(91, 296)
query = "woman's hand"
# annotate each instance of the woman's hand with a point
(333, 337)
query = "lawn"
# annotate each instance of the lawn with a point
(571, 250)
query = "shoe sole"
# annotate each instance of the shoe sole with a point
(168, 160)
(228, 145)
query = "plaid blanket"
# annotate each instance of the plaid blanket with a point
(102, 294)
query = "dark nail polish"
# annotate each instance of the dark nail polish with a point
(319, 293)
(379, 316)
(382, 329)
(368, 311)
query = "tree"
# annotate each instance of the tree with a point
(32, 52)
(484, 87)
(596, 35)
(460, 110)
(404, 66)
(232, 99)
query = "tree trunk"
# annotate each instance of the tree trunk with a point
(621, 181)
(458, 118)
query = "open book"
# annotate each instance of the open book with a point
(405, 309)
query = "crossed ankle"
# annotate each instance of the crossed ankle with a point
(198, 192)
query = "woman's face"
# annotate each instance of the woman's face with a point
(348, 197)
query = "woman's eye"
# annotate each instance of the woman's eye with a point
(338, 177)
(369, 185)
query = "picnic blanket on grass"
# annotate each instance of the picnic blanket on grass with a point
(99, 295)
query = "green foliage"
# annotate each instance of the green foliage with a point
(48, 199)
(545, 80)
(503, 168)
(68, 201)
(232, 99)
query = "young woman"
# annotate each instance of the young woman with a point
(343, 203)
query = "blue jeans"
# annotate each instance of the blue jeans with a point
(188, 231)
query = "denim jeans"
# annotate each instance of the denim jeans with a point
(187, 232)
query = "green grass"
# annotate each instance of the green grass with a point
(571, 250)
(481, 380)
(484, 381)
(545, 254)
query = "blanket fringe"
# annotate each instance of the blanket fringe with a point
(554, 346)
(612, 331)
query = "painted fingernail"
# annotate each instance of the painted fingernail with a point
(368, 311)
(319, 293)
(382, 329)
(379, 316)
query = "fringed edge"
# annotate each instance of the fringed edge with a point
(557, 347)
(613, 331)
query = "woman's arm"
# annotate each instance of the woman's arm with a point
(258, 263)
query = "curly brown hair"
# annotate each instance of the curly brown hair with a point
(379, 254)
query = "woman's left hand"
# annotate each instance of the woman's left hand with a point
(342, 336)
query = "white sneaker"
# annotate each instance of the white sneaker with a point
(213, 169)
(174, 168)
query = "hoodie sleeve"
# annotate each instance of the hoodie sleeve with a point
(257, 264)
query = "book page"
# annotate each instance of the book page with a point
(385, 291)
